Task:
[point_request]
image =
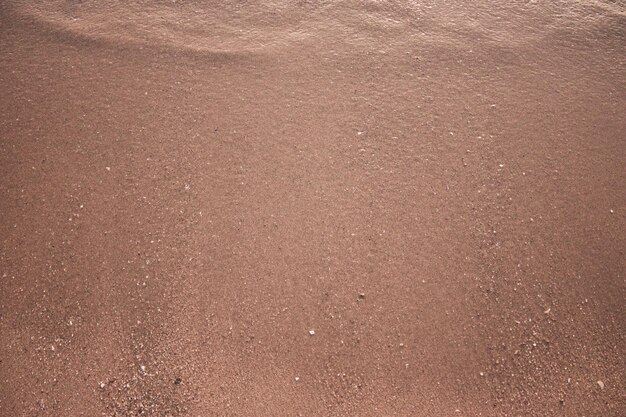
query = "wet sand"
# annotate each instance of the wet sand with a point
(356, 208)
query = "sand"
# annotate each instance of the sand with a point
(299, 208)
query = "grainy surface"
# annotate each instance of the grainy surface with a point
(435, 190)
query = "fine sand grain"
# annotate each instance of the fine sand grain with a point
(312, 208)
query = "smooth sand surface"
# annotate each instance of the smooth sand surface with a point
(310, 208)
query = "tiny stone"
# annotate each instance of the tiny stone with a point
(311, 332)
(601, 384)
(361, 295)
(297, 378)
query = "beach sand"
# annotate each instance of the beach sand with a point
(300, 208)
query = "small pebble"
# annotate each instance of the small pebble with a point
(311, 332)
(601, 384)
